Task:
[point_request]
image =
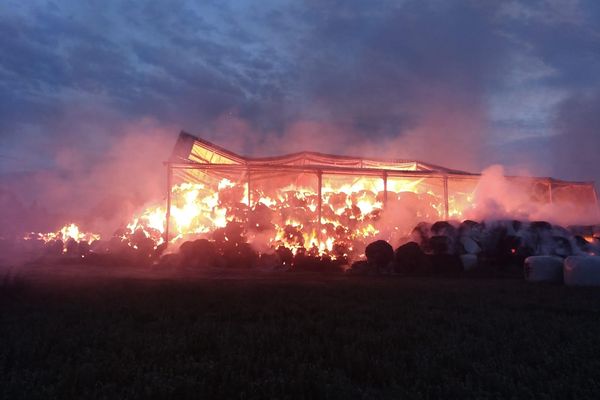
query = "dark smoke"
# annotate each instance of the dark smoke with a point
(577, 144)
(411, 79)
(99, 191)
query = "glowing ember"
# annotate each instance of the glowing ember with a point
(336, 221)
(66, 233)
(328, 205)
(350, 213)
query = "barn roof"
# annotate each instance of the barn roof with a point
(192, 149)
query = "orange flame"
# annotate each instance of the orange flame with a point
(350, 213)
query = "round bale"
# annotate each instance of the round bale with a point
(582, 271)
(543, 269)
(469, 261)
(379, 254)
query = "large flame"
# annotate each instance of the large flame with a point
(350, 213)
(338, 219)
(69, 232)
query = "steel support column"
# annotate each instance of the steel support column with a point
(596, 198)
(249, 198)
(446, 207)
(320, 203)
(385, 191)
(168, 213)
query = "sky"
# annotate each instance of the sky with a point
(464, 84)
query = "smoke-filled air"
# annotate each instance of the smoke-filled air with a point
(460, 111)
(299, 199)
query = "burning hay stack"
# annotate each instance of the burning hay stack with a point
(336, 205)
(313, 211)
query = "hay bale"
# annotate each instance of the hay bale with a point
(260, 218)
(83, 249)
(100, 246)
(443, 228)
(595, 246)
(198, 253)
(540, 225)
(71, 247)
(511, 250)
(541, 237)
(172, 260)
(285, 255)
(543, 269)
(269, 261)
(582, 271)
(54, 247)
(305, 261)
(379, 254)
(563, 247)
(581, 230)
(410, 258)
(582, 244)
(159, 250)
(247, 257)
(439, 244)
(469, 245)
(469, 261)
(360, 267)
(420, 234)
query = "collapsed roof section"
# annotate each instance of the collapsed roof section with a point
(191, 149)
(199, 161)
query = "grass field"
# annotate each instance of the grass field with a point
(68, 333)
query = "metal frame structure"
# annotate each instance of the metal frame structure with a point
(181, 160)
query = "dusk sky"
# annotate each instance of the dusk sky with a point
(459, 83)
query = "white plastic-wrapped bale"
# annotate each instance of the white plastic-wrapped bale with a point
(543, 269)
(582, 271)
(470, 246)
(595, 245)
(469, 261)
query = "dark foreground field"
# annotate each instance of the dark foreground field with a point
(69, 334)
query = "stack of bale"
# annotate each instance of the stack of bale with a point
(447, 247)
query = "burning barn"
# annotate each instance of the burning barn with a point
(332, 204)
(314, 211)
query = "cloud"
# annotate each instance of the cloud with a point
(463, 84)
(547, 12)
(576, 148)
